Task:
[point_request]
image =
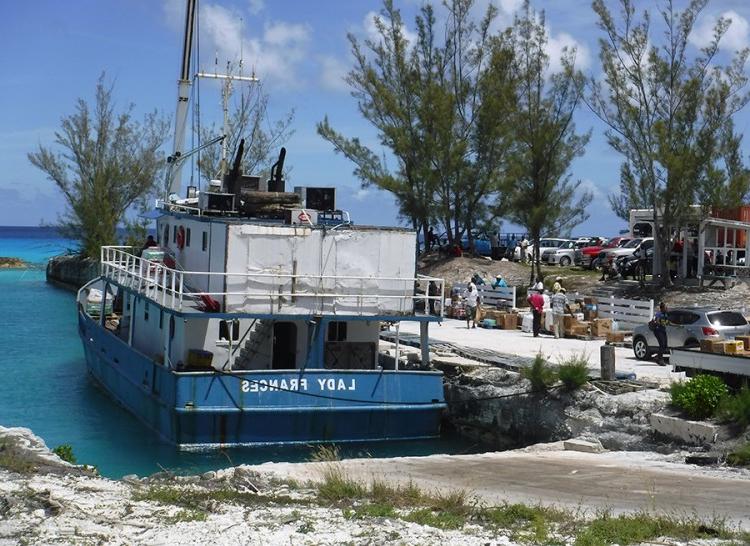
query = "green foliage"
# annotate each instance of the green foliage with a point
(437, 519)
(541, 195)
(65, 452)
(199, 499)
(107, 163)
(374, 510)
(540, 374)
(184, 516)
(740, 456)
(698, 397)
(527, 523)
(735, 409)
(440, 106)
(642, 527)
(574, 372)
(669, 115)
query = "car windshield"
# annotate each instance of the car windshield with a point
(568, 244)
(726, 318)
(632, 244)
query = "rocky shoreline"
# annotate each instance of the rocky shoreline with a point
(71, 271)
(7, 262)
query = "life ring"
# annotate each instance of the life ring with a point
(181, 238)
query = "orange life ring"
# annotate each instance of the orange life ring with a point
(181, 238)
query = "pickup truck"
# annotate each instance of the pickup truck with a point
(588, 255)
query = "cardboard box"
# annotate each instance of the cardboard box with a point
(707, 345)
(580, 329)
(615, 337)
(733, 347)
(568, 321)
(745, 340)
(601, 327)
(508, 321)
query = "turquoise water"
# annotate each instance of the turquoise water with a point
(46, 388)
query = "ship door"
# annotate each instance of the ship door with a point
(284, 346)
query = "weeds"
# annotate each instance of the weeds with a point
(735, 409)
(65, 452)
(528, 523)
(740, 457)
(641, 527)
(184, 516)
(13, 462)
(540, 374)
(197, 499)
(574, 372)
(700, 396)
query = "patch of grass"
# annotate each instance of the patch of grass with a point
(574, 372)
(735, 409)
(65, 452)
(197, 499)
(338, 487)
(698, 397)
(373, 510)
(11, 461)
(437, 519)
(186, 516)
(540, 374)
(740, 457)
(527, 523)
(640, 527)
(325, 454)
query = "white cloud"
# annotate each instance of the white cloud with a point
(361, 194)
(598, 197)
(256, 6)
(275, 55)
(371, 29)
(736, 37)
(333, 72)
(174, 13)
(557, 44)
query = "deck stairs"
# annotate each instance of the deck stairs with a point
(256, 346)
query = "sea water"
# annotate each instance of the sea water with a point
(44, 384)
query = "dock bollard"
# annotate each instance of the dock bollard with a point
(607, 353)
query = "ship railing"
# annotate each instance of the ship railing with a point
(177, 207)
(169, 287)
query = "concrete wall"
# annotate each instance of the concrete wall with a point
(71, 270)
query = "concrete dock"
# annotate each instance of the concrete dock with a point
(616, 481)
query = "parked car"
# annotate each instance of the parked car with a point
(550, 243)
(587, 255)
(564, 255)
(688, 326)
(482, 245)
(628, 249)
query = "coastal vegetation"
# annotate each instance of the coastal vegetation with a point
(11, 263)
(104, 163)
(669, 114)
(540, 374)
(574, 372)
(700, 396)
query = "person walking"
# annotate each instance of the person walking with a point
(433, 292)
(659, 325)
(557, 286)
(559, 302)
(471, 297)
(524, 248)
(536, 301)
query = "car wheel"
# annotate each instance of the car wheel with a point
(594, 264)
(564, 261)
(640, 348)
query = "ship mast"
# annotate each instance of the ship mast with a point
(183, 95)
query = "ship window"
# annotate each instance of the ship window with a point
(337, 331)
(145, 312)
(205, 241)
(166, 234)
(187, 237)
(171, 326)
(128, 306)
(174, 234)
(161, 320)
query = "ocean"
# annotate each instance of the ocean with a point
(45, 385)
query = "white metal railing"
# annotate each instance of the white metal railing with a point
(168, 286)
(177, 207)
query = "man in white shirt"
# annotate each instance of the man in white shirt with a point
(471, 297)
(559, 302)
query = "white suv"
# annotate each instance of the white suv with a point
(564, 255)
(544, 245)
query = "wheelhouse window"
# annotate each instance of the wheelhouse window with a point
(174, 234)
(187, 237)
(166, 234)
(205, 241)
(337, 331)
(145, 312)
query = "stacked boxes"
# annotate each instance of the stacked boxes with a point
(733, 347)
(601, 327)
(745, 341)
(615, 337)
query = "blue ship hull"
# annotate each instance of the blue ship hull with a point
(264, 407)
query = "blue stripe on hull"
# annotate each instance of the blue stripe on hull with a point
(265, 406)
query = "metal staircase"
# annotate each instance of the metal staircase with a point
(261, 333)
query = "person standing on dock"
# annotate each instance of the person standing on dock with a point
(471, 297)
(536, 301)
(659, 325)
(559, 302)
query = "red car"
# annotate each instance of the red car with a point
(587, 256)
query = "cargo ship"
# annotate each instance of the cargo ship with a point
(254, 316)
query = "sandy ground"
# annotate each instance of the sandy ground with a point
(525, 344)
(617, 481)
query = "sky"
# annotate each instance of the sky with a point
(52, 53)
